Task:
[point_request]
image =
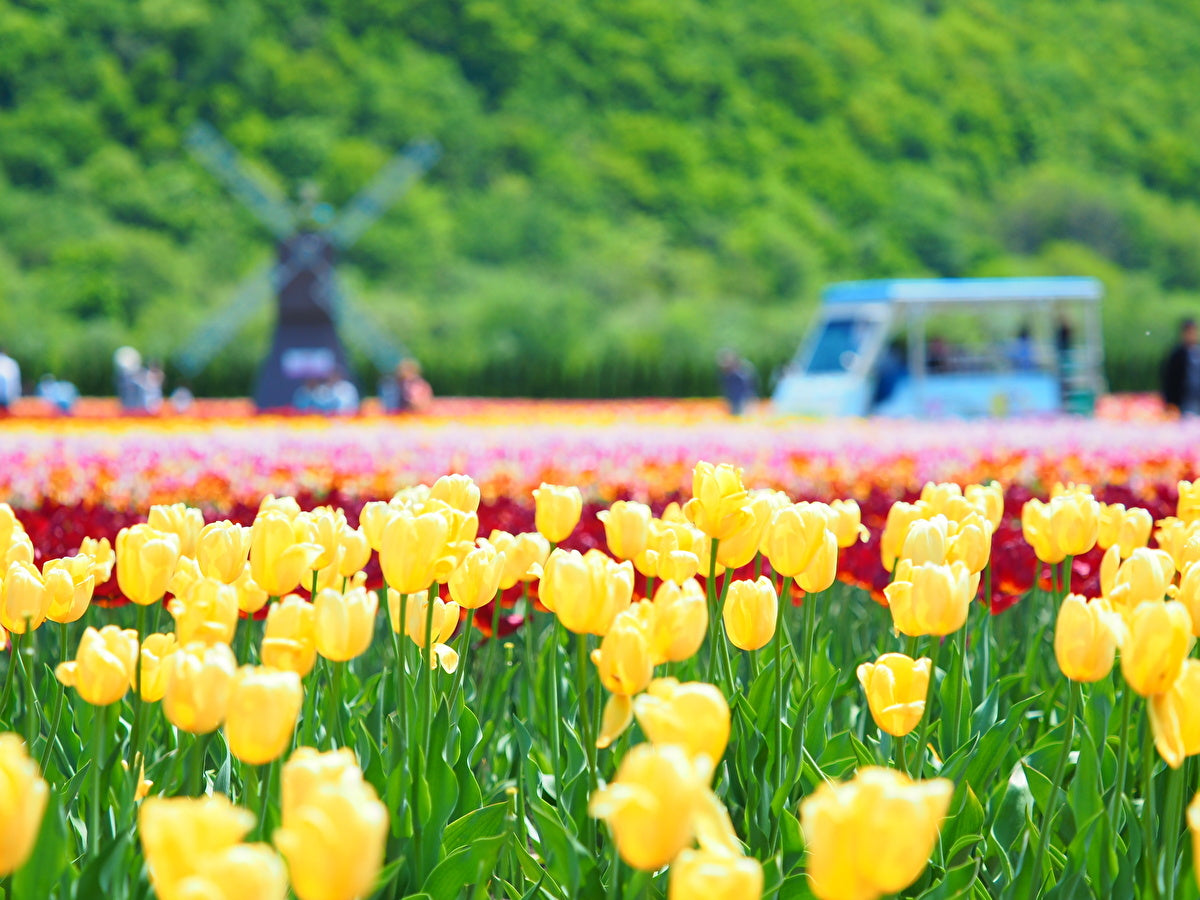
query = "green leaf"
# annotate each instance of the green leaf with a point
(49, 861)
(468, 864)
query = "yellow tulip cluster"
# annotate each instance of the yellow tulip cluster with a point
(945, 525)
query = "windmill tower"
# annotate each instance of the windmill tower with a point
(313, 312)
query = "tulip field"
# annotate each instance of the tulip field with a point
(633, 650)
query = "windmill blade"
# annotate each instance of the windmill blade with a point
(388, 186)
(251, 297)
(361, 329)
(219, 157)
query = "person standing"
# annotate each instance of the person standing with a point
(737, 381)
(10, 380)
(1181, 371)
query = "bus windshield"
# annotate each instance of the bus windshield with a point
(839, 345)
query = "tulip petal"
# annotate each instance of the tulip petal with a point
(618, 713)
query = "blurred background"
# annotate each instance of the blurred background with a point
(624, 186)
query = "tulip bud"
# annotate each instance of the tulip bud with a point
(1152, 654)
(623, 659)
(822, 571)
(751, 608)
(459, 491)
(19, 550)
(586, 591)
(22, 805)
(693, 715)
(988, 499)
(900, 518)
(156, 651)
(344, 623)
(477, 580)
(1075, 522)
(1175, 716)
(1188, 505)
(794, 537)
(181, 520)
(102, 556)
(374, 518)
(740, 547)
(971, 543)
(222, 549)
(207, 613)
(146, 560)
(720, 503)
(1172, 535)
(290, 639)
(715, 876)
(250, 597)
(1145, 576)
(281, 554)
(926, 541)
(847, 523)
(69, 585)
(411, 549)
(324, 528)
(264, 705)
(356, 552)
(896, 687)
(1086, 637)
(199, 679)
(557, 510)
(1189, 594)
(627, 528)
(898, 819)
(427, 626)
(680, 621)
(1035, 526)
(104, 667)
(930, 599)
(24, 601)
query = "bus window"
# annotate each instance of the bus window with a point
(839, 345)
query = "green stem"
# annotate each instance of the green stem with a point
(59, 701)
(335, 702)
(1149, 815)
(197, 763)
(585, 726)
(710, 592)
(1123, 739)
(964, 683)
(265, 775)
(461, 674)
(427, 670)
(555, 634)
(99, 733)
(726, 659)
(1068, 566)
(245, 640)
(401, 665)
(1176, 779)
(935, 651)
(135, 736)
(32, 719)
(8, 679)
(313, 593)
(1056, 783)
(901, 758)
(780, 628)
(528, 635)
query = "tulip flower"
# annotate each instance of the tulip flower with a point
(374, 519)
(250, 597)
(1188, 506)
(715, 876)
(1086, 637)
(822, 570)
(524, 556)
(222, 549)
(930, 599)
(626, 528)
(282, 557)
(988, 499)
(900, 518)
(586, 591)
(1036, 527)
(207, 612)
(1175, 716)
(926, 541)
(795, 535)
(105, 665)
(678, 566)
(971, 543)
(1188, 594)
(720, 503)
(442, 622)
(199, 681)
(290, 636)
(10, 525)
(896, 687)
(264, 705)
(1075, 522)
(847, 524)
(334, 828)
(22, 804)
(146, 560)
(475, 582)
(692, 715)
(739, 548)
(1145, 576)
(69, 585)
(459, 491)
(323, 527)
(557, 510)
(181, 520)
(102, 555)
(751, 608)
(156, 650)
(19, 550)
(355, 551)
(412, 551)
(625, 667)
(193, 849)
(1157, 642)
(344, 623)
(872, 835)
(1127, 530)
(680, 621)
(24, 601)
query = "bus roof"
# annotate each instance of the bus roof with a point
(964, 290)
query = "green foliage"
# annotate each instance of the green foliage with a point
(626, 186)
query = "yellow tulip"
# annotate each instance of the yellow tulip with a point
(896, 687)
(199, 680)
(873, 835)
(1153, 651)
(715, 876)
(187, 572)
(1175, 716)
(822, 571)
(678, 566)
(156, 650)
(324, 528)
(1188, 506)
(22, 804)
(1086, 637)
(557, 510)
(207, 613)
(10, 525)
(937, 497)
(524, 556)
(1145, 576)
(181, 520)
(692, 715)
(287, 506)
(250, 596)
(1173, 535)
(105, 665)
(1075, 522)
(281, 555)
(477, 579)
(971, 543)
(102, 555)
(344, 623)
(795, 535)
(1189, 594)
(24, 600)
(290, 636)
(222, 549)
(626, 528)
(900, 518)
(19, 550)
(1035, 525)
(264, 705)
(412, 549)
(751, 608)
(680, 621)
(334, 828)
(374, 519)
(720, 503)
(1125, 529)
(625, 668)
(847, 523)
(1109, 564)
(587, 591)
(355, 551)
(146, 560)
(193, 851)
(988, 499)
(442, 621)
(739, 548)
(926, 541)
(930, 599)
(459, 491)
(69, 585)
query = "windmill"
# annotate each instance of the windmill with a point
(311, 306)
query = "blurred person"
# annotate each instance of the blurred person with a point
(405, 390)
(10, 380)
(737, 381)
(152, 378)
(893, 368)
(182, 399)
(1181, 371)
(343, 395)
(1020, 350)
(937, 356)
(127, 367)
(59, 394)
